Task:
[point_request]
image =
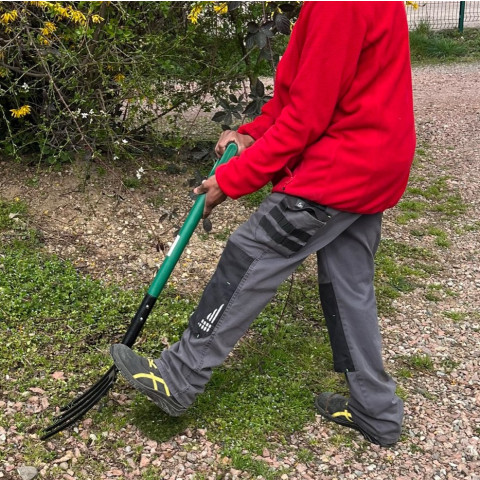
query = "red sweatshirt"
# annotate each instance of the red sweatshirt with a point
(339, 129)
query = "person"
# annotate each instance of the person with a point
(337, 141)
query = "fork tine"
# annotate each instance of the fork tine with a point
(74, 416)
(91, 391)
(79, 409)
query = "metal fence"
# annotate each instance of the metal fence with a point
(445, 15)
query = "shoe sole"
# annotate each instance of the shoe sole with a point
(165, 405)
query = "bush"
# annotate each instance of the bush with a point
(93, 78)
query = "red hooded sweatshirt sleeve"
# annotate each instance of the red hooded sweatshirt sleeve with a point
(339, 129)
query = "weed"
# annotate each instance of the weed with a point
(410, 210)
(448, 365)
(32, 182)
(421, 152)
(131, 182)
(222, 236)
(416, 448)
(474, 227)
(420, 362)
(452, 206)
(417, 233)
(157, 200)
(9, 212)
(432, 293)
(441, 236)
(404, 373)
(455, 316)
(401, 393)
(343, 439)
(305, 455)
(257, 468)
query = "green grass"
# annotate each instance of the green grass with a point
(421, 362)
(440, 235)
(428, 46)
(435, 195)
(399, 269)
(131, 182)
(53, 318)
(9, 211)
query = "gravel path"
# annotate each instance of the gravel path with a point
(442, 422)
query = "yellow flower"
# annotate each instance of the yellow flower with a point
(97, 19)
(48, 29)
(194, 13)
(77, 16)
(39, 4)
(9, 17)
(119, 78)
(44, 40)
(412, 4)
(21, 112)
(221, 8)
(58, 10)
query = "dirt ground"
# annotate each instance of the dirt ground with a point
(116, 233)
(121, 235)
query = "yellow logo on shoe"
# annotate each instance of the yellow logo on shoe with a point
(155, 380)
(151, 363)
(345, 414)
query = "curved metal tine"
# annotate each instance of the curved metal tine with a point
(75, 414)
(91, 391)
(106, 381)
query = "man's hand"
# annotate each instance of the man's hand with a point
(229, 136)
(214, 195)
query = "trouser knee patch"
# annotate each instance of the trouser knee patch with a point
(342, 360)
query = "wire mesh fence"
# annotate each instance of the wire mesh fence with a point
(445, 15)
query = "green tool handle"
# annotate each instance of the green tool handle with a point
(173, 255)
(185, 232)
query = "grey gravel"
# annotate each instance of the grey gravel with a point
(27, 473)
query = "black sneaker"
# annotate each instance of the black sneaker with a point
(143, 374)
(334, 407)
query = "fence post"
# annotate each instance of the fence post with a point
(461, 17)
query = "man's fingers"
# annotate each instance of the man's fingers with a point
(207, 211)
(214, 195)
(225, 138)
(219, 150)
(200, 189)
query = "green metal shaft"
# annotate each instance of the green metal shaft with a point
(183, 237)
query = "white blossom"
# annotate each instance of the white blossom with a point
(140, 172)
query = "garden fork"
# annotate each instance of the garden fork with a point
(78, 407)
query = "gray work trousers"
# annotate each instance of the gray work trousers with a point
(258, 257)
